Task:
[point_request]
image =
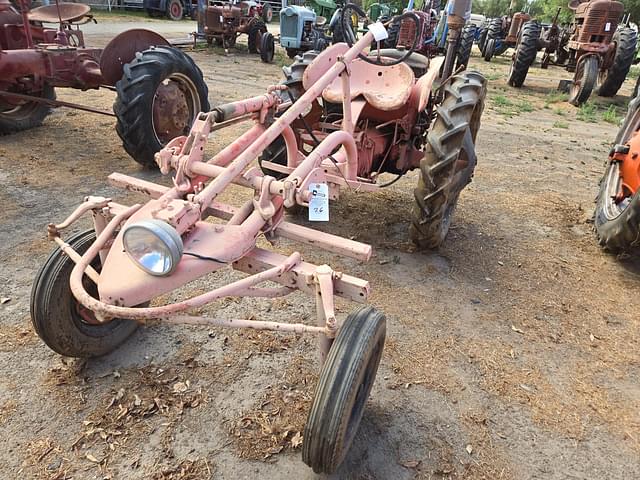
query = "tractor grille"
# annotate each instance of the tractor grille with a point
(289, 26)
(600, 21)
(407, 33)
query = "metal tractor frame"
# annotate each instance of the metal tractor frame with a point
(160, 89)
(96, 287)
(595, 48)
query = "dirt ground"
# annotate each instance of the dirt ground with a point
(512, 352)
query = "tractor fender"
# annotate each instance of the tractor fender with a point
(424, 85)
(123, 48)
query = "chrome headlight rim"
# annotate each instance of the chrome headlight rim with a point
(168, 237)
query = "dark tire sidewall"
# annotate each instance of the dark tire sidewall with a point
(53, 304)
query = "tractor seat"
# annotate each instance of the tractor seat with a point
(384, 88)
(69, 12)
(321, 21)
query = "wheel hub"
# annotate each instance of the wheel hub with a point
(171, 113)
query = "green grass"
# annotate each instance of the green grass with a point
(493, 76)
(587, 112)
(509, 108)
(502, 101)
(555, 97)
(560, 124)
(559, 111)
(610, 115)
(525, 106)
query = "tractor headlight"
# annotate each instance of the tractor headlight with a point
(154, 246)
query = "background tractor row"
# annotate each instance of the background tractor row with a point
(594, 47)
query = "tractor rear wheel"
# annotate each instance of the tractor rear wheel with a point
(494, 30)
(584, 80)
(525, 53)
(66, 326)
(26, 115)
(465, 45)
(625, 40)
(255, 32)
(159, 96)
(449, 160)
(175, 10)
(344, 386)
(617, 214)
(392, 36)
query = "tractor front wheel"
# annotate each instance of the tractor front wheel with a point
(525, 53)
(584, 80)
(449, 160)
(175, 10)
(489, 49)
(345, 382)
(617, 214)
(625, 41)
(465, 44)
(159, 96)
(26, 115)
(267, 48)
(66, 326)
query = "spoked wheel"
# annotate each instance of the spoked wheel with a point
(159, 96)
(175, 10)
(25, 115)
(617, 214)
(584, 80)
(449, 160)
(267, 48)
(345, 382)
(60, 321)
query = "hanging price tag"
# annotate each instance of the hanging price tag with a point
(319, 202)
(379, 32)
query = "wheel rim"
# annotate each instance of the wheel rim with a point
(175, 105)
(578, 78)
(176, 10)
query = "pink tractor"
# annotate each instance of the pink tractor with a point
(160, 90)
(350, 117)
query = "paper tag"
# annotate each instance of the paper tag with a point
(607, 26)
(379, 32)
(319, 202)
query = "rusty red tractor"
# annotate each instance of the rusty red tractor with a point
(159, 89)
(226, 21)
(502, 33)
(598, 50)
(350, 117)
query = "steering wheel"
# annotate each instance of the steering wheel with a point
(350, 36)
